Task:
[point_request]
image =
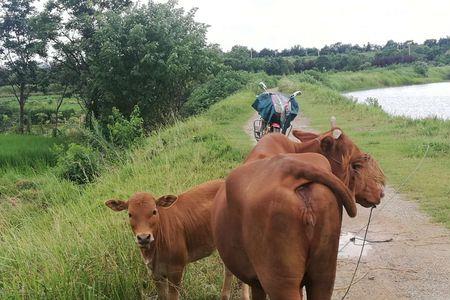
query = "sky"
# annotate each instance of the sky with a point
(284, 23)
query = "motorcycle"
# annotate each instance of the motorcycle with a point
(276, 111)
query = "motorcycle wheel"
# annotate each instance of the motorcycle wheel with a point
(276, 129)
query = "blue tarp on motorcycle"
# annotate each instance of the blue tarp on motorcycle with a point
(270, 105)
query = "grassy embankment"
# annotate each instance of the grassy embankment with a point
(80, 249)
(398, 143)
(77, 248)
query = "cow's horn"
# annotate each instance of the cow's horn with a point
(333, 121)
(336, 133)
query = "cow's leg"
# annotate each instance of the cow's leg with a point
(320, 277)
(161, 286)
(245, 291)
(258, 293)
(226, 287)
(174, 283)
(319, 291)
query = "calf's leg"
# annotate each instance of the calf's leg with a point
(226, 287)
(161, 286)
(174, 283)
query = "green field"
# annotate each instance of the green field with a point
(26, 151)
(66, 244)
(40, 102)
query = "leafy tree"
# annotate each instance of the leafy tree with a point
(239, 57)
(21, 45)
(72, 26)
(151, 56)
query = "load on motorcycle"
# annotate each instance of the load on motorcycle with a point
(276, 111)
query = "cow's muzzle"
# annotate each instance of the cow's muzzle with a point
(144, 239)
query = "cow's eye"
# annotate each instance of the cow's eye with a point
(154, 212)
(129, 215)
(356, 166)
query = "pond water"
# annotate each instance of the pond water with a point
(414, 101)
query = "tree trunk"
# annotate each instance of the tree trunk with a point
(21, 115)
(22, 99)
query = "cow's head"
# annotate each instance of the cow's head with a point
(358, 170)
(144, 215)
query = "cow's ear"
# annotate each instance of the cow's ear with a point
(326, 144)
(117, 205)
(166, 201)
(304, 136)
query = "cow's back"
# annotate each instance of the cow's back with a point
(271, 145)
(194, 208)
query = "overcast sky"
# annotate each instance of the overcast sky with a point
(284, 23)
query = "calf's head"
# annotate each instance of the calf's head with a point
(358, 170)
(144, 215)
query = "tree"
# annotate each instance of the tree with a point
(151, 56)
(21, 45)
(72, 26)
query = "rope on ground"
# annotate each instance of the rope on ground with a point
(370, 217)
(402, 184)
(360, 255)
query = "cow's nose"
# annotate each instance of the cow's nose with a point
(143, 239)
(382, 194)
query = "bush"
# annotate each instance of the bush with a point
(79, 164)
(421, 68)
(124, 133)
(222, 85)
(372, 101)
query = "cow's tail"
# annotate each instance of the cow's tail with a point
(306, 213)
(300, 169)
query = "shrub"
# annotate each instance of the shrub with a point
(124, 133)
(79, 164)
(222, 85)
(421, 68)
(372, 101)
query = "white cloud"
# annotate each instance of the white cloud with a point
(284, 23)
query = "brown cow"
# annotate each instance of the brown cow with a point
(173, 231)
(277, 229)
(358, 170)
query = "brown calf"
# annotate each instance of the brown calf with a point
(276, 225)
(173, 231)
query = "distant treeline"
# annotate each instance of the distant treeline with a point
(338, 56)
(116, 54)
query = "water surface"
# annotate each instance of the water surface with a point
(414, 101)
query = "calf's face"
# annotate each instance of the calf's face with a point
(143, 214)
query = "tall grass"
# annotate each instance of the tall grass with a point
(83, 250)
(70, 245)
(28, 151)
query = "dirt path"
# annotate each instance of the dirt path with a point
(414, 265)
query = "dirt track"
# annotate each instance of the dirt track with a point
(414, 265)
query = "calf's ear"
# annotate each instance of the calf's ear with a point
(166, 201)
(117, 205)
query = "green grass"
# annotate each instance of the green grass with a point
(60, 241)
(398, 143)
(374, 78)
(81, 249)
(26, 151)
(36, 102)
